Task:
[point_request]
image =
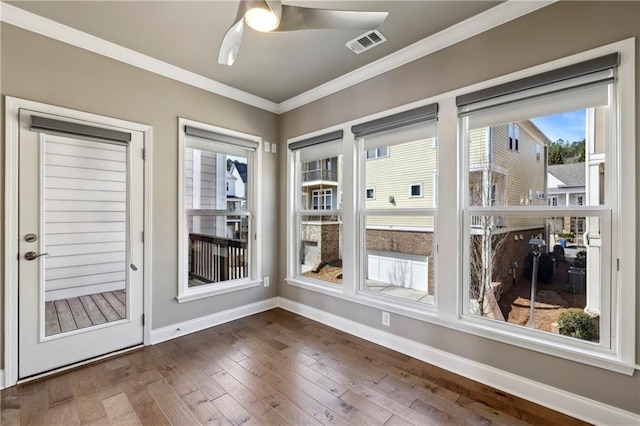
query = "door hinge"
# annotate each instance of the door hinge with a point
(618, 264)
(142, 319)
(144, 154)
(142, 236)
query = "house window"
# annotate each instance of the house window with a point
(415, 190)
(316, 234)
(322, 199)
(514, 136)
(371, 194)
(382, 151)
(217, 249)
(397, 229)
(491, 249)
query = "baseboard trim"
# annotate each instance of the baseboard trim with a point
(187, 327)
(556, 399)
(2, 383)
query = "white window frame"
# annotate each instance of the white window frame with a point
(373, 192)
(413, 185)
(377, 153)
(186, 293)
(447, 311)
(322, 195)
(616, 350)
(298, 212)
(538, 152)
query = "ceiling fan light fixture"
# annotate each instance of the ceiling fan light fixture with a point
(261, 18)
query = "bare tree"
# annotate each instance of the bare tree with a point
(487, 241)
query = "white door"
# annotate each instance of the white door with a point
(80, 251)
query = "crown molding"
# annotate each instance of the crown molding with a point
(48, 28)
(498, 15)
(491, 18)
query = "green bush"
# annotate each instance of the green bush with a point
(566, 235)
(578, 324)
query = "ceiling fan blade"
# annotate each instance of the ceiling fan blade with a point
(231, 44)
(302, 18)
(233, 38)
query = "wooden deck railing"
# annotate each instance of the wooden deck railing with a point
(215, 259)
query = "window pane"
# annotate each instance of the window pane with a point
(320, 248)
(215, 181)
(555, 160)
(567, 277)
(399, 257)
(403, 177)
(321, 184)
(218, 248)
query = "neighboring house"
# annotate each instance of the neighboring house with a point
(236, 197)
(566, 187)
(216, 188)
(321, 239)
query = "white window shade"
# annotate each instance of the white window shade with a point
(320, 151)
(531, 105)
(415, 132)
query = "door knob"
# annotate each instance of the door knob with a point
(32, 255)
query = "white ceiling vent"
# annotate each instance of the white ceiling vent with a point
(366, 41)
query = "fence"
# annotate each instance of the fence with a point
(215, 259)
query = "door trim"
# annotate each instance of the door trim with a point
(12, 127)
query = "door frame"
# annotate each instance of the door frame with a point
(11, 237)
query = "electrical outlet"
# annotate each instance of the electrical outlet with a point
(265, 281)
(267, 146)
(386, 318)
(274, 148)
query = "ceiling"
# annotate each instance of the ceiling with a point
(276, 66)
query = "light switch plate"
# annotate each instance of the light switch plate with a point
(273, 148)
(267, 146)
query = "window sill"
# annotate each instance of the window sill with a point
(215, 289)
(428, 314)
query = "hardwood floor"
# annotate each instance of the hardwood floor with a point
(271, 368)
(84, 311)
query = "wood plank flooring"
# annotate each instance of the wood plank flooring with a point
(273, 368)
(84, 311)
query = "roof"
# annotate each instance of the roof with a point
(570, 174)
(242, 170)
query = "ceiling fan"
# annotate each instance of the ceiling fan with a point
(273, 16)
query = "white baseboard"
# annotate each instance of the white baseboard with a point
(556, 399)
(191, 326)
(2, 383)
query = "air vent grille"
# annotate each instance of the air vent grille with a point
(366, 41)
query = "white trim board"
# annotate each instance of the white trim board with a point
(191, 326)
(498, 15)
(556, 399)
(2, 384)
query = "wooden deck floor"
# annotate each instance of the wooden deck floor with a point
(273, 368)
(84, 311)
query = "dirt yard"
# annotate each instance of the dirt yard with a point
(551, 300)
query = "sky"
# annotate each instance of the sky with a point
(569, 126)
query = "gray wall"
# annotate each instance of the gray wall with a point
(44, 70)
(551, 33)
(40, 69)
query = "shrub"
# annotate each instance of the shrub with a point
(545, 267)
(578, 324)
(581, 259)
(566, 235)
